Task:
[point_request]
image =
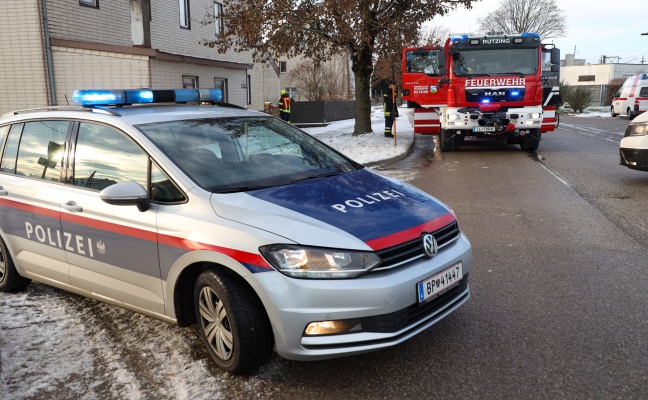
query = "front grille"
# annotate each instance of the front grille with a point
(409, 251)
(393, 322)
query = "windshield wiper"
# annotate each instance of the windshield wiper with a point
(241, 189)
(316, 176)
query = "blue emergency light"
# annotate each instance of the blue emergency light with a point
(121, 97)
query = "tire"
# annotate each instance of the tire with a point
(10, 280)
(612, 113)
(531, 142)
(232, 322)
(631, 114)
(557, 123)
(446, 140)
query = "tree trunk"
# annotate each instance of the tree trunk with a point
(362, 67)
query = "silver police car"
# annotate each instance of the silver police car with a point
(228, 218)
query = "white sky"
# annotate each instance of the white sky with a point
(594, 27)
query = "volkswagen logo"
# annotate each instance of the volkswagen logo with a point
(430, 245)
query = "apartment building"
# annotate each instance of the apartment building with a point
(49, 48)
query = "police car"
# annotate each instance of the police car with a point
(634, 145)
(224, 217)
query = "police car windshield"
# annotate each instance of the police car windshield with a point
(244, 153)
(488, 62)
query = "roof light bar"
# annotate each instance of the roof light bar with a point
(120, 97)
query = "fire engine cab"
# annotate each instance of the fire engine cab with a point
(494, 86)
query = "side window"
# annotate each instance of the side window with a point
(643, 92)
(11, 149)
(162, 189)
(104, 156)
(4, 130)
(40, 154)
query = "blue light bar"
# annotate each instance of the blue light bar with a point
(120, 97)
(530, 34)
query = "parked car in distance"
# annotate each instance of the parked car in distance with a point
(232, 219)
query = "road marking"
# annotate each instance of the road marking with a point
(564, 182)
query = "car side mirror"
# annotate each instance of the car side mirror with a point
(126, 194)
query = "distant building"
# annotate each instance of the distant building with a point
(51, 47)
(596, 77)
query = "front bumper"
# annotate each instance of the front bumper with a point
(385, 302)
(634, 158)
(473, 122)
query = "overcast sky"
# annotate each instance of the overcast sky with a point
(594, 27)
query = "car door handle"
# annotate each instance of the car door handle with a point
(72, 206)
(3, 192)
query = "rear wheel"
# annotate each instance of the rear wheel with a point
(232, 322)
(557, 120)
(531, 141)
(630, 113)
(10, 280)
(447, 140)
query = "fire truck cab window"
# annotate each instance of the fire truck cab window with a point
(424, 61)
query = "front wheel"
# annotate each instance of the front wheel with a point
(447, 140)
(232, 322)
(612, 113)
(10, 279)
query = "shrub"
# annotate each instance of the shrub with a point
(579, 98)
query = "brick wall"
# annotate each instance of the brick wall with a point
(23, 82)
(91, 69)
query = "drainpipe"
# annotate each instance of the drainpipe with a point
(48, 52)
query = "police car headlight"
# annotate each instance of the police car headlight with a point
(316, 263)
(637, 129)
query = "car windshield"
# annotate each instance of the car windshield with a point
(225, 155)
(490, 62)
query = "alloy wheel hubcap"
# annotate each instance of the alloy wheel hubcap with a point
(215, 323)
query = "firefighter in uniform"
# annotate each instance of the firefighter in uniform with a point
(284, 106)
(389, 110)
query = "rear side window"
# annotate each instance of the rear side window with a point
(40, 154)
(643, 92)
(104, 156)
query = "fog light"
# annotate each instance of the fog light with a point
(332, 327)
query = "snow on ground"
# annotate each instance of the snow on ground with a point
(369, 148)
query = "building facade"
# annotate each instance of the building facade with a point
(596, 77)
(52, 47)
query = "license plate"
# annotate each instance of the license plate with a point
(484, 129)
(431, 287)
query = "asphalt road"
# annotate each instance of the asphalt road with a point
(558, 307)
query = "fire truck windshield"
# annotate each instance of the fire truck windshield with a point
(486, 62)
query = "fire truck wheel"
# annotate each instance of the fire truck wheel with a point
(612, 113)
(531, 141)
(447, 140)
(557, 120)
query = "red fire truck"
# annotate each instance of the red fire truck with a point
(494, 86)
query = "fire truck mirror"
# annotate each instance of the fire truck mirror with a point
(555, 56)
(441, 61)
(555, 68)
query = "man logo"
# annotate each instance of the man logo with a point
(430, 245)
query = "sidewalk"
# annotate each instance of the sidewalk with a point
(370, 148)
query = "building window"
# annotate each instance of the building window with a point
(90, 3)
(282, 66)
(184, 13)
(190, 82)
(586, 78)
(292, 93)
(218, 18)
(249, 89)
(222, 85)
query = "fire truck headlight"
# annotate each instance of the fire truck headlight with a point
(453, 117)
(534, 115)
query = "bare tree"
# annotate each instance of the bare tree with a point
(517, 16)
(320, 82)
(318, 29)
(434, 35)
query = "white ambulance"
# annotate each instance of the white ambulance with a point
(632, 98)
